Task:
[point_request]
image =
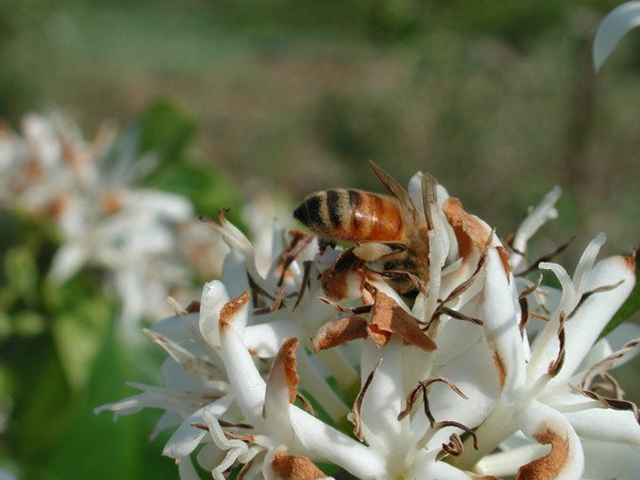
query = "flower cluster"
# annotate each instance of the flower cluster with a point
(319, 367)
(143, 238)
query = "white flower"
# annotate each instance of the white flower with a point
(146, 240)
(546, 391)
(413, 376)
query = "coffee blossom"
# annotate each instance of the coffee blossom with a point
(318, 366)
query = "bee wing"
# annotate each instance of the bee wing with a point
(395, 188)
(429, 199)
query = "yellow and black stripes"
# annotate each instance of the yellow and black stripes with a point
(352, 215)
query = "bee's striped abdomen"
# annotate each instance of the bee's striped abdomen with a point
(352, 215)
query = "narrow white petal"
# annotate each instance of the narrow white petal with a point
(443, 471)
(607, 425)
(544, 212)
(507, 463)
(583, 329)
(501, 327)
(186, 470)
(585, 265)
(611, 30)
(214, 296)
(187, 437)
(323, 442)
(248, 385)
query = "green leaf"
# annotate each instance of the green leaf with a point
(98, 448)
(628, 308)
(42, 398)
(166, 130)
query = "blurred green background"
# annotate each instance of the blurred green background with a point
(498, 100)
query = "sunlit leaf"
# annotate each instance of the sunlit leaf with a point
(612, 28)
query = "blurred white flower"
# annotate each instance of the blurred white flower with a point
(147, 240)
(432, 385)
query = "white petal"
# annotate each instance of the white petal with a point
(244, 377)
(383, 400)
(585, 265)
(474, 374)
(265, 339)
(604, 461)
(540, 215)
(507, 463)
(214, 296)
(547, 426)
(168, 419)
(501, 327)
(280, 382)
(186, 470)
(443, 471)
(611, 30)
(187, 437)
(607, 425)
(583, 329)
(324, 442)
(200, 368)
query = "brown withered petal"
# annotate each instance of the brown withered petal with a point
(387, 317)
(287, 359)
(336, 332)
(230, 308)
(549, 466)
(470, 232)
(295, 467)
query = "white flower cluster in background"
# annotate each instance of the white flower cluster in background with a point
(147, 240)
(318, 367)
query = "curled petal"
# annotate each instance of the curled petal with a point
(548, 427)
(388, 317)
(337, 332)
(471, 232)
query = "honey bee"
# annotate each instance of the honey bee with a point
(382, 227)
